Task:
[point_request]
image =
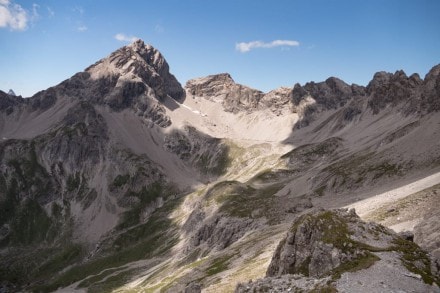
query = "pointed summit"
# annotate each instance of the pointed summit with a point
(139, 62)
(11, 93)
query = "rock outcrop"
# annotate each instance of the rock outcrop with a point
(222, 88)
(326, 244)
(408, 95)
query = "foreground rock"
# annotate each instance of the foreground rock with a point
(331, 249)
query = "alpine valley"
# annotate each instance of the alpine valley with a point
(121, 180)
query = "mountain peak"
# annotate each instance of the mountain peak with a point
(11, 93)
(142, 63)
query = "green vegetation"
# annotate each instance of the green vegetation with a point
(218, 265)
(30, 224)
(121, 180)
(214, 163)
(356, 169)
(241, 200)
(59, 260)
(99, 277)
(360, 263)
(9, 205)
(73, 181)
(415, 260)
(31, 177)
(270, 176)
(335, 231)
(112, 282)
(39, 264)
(145, 196)
(309, 153)
(136, 243)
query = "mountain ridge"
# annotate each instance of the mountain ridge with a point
(119, 172)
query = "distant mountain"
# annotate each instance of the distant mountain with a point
(120, 174)
(11, 93)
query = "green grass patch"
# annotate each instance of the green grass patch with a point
(241, 200)
(73, 181)
(219, 265)
(112, 282)
(415, 260)
(121, 180)
(30, 225)
(155, 237)
(357, 264)
(146, 195)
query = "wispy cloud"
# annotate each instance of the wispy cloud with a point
(246, 47)
(82, 28)
(78, 9)
(124, 38)
(35, 16)
(13, 16)
(50, 11)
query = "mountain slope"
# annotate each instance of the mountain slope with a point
(120, 178)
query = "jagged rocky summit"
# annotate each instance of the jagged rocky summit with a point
(120, 174)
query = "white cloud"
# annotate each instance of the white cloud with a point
(13, 16)
(50, 11)
(246, 47)
(82, 28)
(125, 38)
(35, 16)
(78, 9)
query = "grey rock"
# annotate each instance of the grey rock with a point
(222, 88)
(207, 154)
(318, 243)
(217, 232)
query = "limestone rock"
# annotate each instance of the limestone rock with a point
(323, 246)
(223, 89)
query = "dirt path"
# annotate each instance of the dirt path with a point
(370, 204)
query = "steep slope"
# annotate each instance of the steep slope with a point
(120, 179)
(84, 162)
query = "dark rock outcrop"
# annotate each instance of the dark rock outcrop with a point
(320, 242)
(392, 89)
(329, 95)
(207, 154)
(322, 245)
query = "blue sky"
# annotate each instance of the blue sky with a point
(263, 44)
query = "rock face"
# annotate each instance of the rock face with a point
(201, 151)
(326, 244)
(407, 95)
(223, 89)
(66, 184)
(320, 242)
(135, 77)
(236, 98)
